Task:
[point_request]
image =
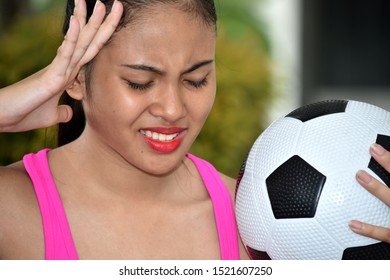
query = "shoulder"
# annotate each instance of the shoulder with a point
(230, 184)
(13, 181)
(18, 207)
(15, 189)
(228, 181)
(14, 174)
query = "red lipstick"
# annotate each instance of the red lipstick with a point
(163, 139)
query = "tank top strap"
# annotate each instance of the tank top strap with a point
(59, 243)
(223, 208)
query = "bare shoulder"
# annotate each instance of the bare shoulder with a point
(14, 182)
(15, 169)
(230, 184)
(19, 218)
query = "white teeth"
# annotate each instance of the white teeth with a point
(171, 137)
(159, 136)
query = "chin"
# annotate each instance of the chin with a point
(160, 172)
(163, 167)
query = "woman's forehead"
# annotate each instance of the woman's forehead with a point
(167, 40)
(202, 10)
(170, 26)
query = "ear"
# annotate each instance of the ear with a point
(78, 89)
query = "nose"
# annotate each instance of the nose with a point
(169, 104)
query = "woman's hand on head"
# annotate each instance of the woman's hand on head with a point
(378, 189)
(33, 102)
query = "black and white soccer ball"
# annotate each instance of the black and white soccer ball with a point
(297, 192)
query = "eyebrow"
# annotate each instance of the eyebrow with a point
(197, 66)
(147, 68)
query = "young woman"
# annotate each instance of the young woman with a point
(124, 186)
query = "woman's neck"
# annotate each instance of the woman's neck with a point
(98, 167)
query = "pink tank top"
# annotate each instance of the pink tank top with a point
(59, 243)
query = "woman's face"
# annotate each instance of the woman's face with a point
(151, 90)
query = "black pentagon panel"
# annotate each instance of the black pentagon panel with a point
(256, 254)
(384, 141)
(377, 251)
(315, 110)
(294, 189)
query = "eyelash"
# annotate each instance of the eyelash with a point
(198, 84)
(140, 87)
(143, 87)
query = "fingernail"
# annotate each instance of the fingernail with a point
(76, 2)
(378, 150)
(96, 4)
(356, 225)
(364, 176)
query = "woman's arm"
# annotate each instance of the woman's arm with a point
(33, 102)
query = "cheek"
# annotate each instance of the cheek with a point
(211, 95)
(203, 105)
(111, 105)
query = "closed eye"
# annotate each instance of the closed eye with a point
(140, 87)
(197, 84)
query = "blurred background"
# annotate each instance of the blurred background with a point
(272, 56)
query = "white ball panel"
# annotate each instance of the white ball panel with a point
(253, 220)
(275, 145)
(329, 149)
(302, 239)
(370, 115)
(347, 201)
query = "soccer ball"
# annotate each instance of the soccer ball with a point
(297, 191)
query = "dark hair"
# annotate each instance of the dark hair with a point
(201, 9)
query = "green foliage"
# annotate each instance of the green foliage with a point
(26, 47)
(243, 74)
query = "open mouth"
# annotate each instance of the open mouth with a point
(163, 140)
(159, 136)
